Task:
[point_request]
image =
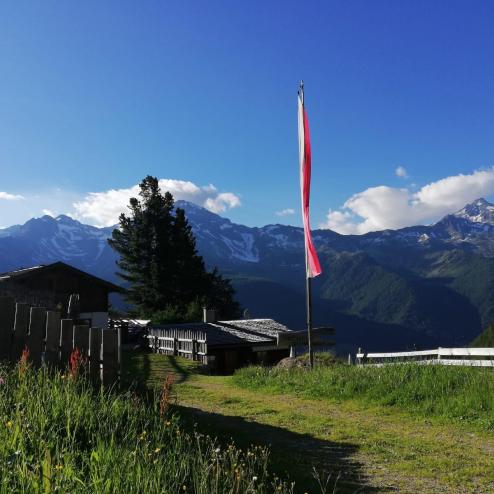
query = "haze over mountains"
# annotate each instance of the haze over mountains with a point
(395, 289)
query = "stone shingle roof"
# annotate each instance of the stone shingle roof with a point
(234, 333)
(19, 272)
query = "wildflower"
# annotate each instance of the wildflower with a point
(9, 424)
(254, 479)
(155, 461)
(75, 363)
(217, 450)
(166, 394)
(24, 361)
(62, 376)
(58, 467)
(2, 381)
(167, 423)
(184, 488)
(157, 450)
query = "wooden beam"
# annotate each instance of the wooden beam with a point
(292, 338)
(7, 318)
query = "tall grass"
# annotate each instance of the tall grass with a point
(460, 393)
(58, 434)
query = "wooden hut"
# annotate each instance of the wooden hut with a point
(223, 345)
(52, 285)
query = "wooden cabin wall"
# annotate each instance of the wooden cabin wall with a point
(228, 360)
(60, 285)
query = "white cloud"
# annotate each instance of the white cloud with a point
(222, 202)
(401, 172)
(103, 208)
(54, 200)
(10, 197)
(285, 212)
(379, 208)
(48, 212)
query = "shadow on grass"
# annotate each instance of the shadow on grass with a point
(145, 370)
(181, 372)
(293, 455)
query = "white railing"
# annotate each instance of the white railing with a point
(443, 356)
(186, 343)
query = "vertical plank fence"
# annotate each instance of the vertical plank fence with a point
(51, 340)
(181, 342)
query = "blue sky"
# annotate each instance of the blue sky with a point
(96, 95)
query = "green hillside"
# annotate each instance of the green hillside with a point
(442, 305)
(484, 339)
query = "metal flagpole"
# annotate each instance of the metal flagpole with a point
(309, 320)
(308, 286)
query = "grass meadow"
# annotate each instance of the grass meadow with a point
(58, 433)
(364, 429)
(463, 394)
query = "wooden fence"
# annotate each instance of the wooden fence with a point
(51, 340)
(183, 342)
(477, 357)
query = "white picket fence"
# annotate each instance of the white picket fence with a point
(477, 357)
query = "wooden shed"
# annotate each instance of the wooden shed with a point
(51, 285)
(223, 345)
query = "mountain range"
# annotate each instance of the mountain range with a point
(418, 286)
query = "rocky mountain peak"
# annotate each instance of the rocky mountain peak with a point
(478, 211)
(66, 220)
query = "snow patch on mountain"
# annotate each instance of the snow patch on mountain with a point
(479, 211)
(244, 249)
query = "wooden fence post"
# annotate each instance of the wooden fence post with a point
(110, 357)
(21, 325)
(81, 340)
(52, 337)
(95, 353)
(194, 349)
(66, 341)
(7, 318)
(35, 340)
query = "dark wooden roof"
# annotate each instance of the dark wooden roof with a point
(234, 333)
(25, 273)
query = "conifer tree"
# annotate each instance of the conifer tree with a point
(159, 261)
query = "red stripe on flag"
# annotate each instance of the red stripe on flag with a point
(313, 265)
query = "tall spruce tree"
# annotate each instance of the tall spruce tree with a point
(158, 259)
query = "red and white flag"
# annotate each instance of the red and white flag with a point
(312, 261)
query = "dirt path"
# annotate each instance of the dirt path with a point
(369, 449)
